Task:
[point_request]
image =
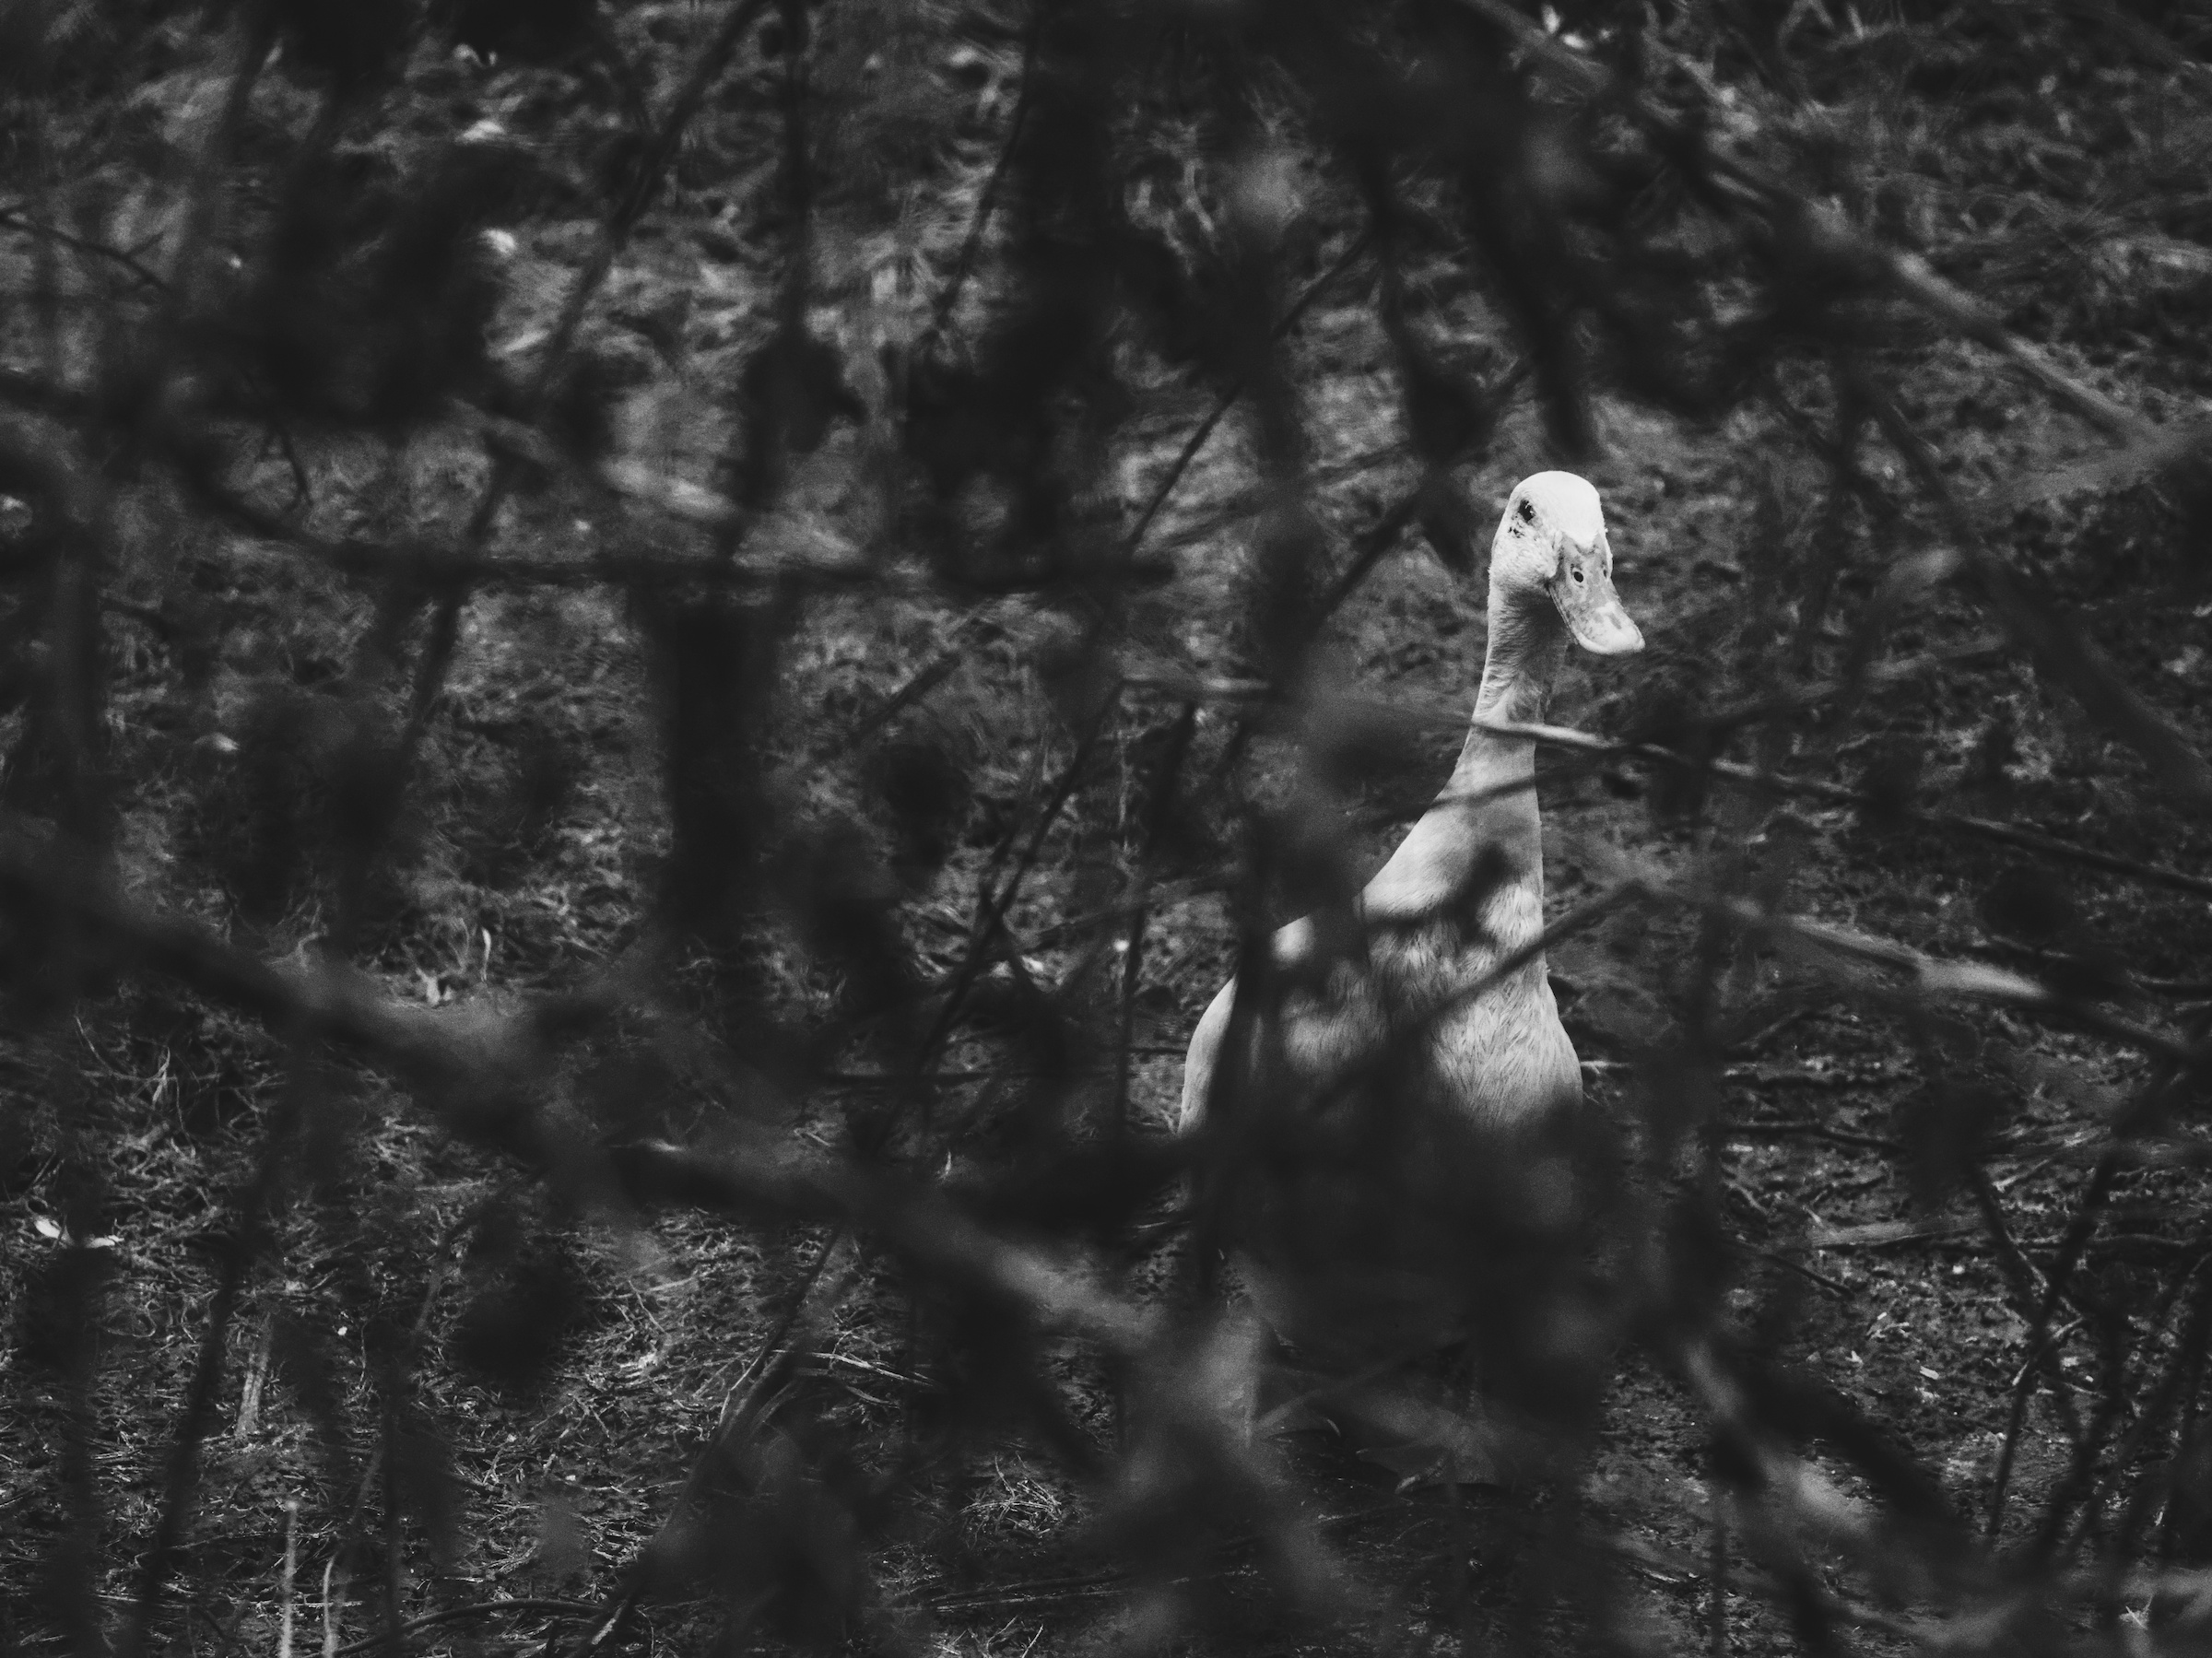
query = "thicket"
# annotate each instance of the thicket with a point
(682, 365)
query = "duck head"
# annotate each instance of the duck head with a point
(1550, 550)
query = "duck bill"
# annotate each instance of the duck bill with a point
(1594, 615)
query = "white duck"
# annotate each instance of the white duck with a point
(1390, 1143)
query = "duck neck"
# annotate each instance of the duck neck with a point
(1489, 809)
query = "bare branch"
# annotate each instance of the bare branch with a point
(1832, 237)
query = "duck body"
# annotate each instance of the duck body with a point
(1398, 1140)
(1464, 892)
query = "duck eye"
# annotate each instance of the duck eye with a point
(1576, 571)
(1528, 513)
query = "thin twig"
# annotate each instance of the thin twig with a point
(2147, 1102)
(250, 1227)
(451, 1615)
(1985, 829)
(1828, 235)
(203, 200)
(1227, 400)
(1716, 1604)
(1810, 1131)
(2031, 1291)
(1379, 538)
(917, 685)
(13, 218)
(2058, 645)
(1579, 919)
(995, 907)
(1835, 1286)
(332, 1605)
(1931, 978)
(2069, 1252)
(291, 1568)
(1157, 820)
(629, 208)
(987, 202)
(769, 1363)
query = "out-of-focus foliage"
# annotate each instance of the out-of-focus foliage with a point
(652, 655)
